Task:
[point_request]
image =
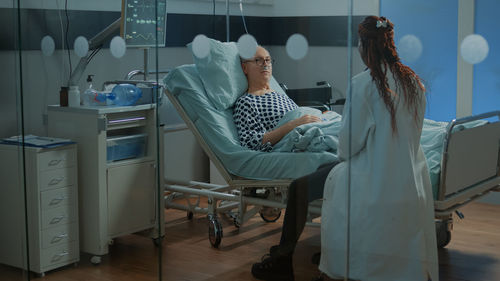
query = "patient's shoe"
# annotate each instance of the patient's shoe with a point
(274, 267)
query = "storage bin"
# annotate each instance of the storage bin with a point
(125, 147)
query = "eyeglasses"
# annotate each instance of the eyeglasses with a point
(261, 61)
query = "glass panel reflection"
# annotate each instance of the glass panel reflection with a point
(91, 132)
(180, 143)
(15, 197)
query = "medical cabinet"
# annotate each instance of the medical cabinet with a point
(118, 170)
(52, 206)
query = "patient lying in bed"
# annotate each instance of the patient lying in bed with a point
(258, 111)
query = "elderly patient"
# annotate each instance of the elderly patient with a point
(256, 114)
(258, 111)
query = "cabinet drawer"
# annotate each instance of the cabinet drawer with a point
(57, 159)
(58, 216)
(59, 235)
(123, 120)
(57, 197)
(57, 178)
(59, 254)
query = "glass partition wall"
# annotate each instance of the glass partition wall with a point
(83, 169)
(377, 211)
(165, 189)
(458, 77)
(311, 52)
(14, 246)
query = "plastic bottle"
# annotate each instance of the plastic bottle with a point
(125, 94)
(74, 96)
(92, 97)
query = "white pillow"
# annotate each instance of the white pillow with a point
(221, 74)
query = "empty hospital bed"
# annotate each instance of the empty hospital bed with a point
(257, 181)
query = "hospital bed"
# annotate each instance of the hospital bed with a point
(257, 181)
(469, 168)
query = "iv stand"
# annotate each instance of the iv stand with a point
(227, 20)
(146, 63)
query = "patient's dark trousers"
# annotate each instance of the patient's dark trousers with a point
(301, 192)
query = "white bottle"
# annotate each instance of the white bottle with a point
(74, 96)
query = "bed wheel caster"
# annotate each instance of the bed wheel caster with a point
(189, 215)
(236, 223)
(214, 231)
(158, 241)
(443, 234)
(270, 214)
(95, 260)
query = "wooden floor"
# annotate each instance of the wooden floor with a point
(473, 254)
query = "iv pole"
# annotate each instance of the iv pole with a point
(227, 20)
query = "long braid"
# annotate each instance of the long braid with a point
(379, 53)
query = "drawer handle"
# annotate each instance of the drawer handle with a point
(55, 162)
(57, 220)
(126, 120)
(56, 201)
(55, 181)
(59, 256)
(58, 238)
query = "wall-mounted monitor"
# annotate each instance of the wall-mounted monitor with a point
(141, 19)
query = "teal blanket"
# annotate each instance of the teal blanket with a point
(316, 142)
(312, 137)
(323, 137)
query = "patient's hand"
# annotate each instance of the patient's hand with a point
(277, 134)
(305, 120)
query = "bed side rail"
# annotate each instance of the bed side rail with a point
(470, 156)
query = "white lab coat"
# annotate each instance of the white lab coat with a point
(392, 232)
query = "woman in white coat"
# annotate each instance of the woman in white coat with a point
(378, 208)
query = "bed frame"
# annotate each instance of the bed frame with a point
(249, 196)
(470, 169)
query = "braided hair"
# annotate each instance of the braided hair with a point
(378, 51)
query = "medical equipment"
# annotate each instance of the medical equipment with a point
(320, 97)
(462, 180)
(144, 22)
(140, 24)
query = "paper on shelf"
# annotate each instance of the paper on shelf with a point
(32, 140)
